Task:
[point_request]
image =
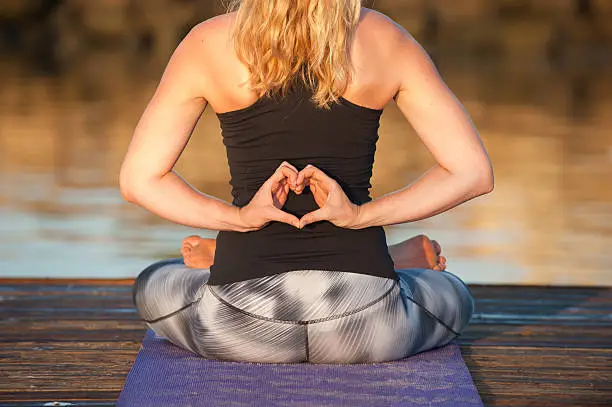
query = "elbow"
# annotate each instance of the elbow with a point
(477, 180)
(129, 186)
(484, 180)
(137, 187)
(127, 190)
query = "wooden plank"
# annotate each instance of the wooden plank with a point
(46, 282)
(75, 341)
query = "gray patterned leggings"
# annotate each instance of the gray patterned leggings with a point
(305, 315)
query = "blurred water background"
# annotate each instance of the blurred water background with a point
(535, 75)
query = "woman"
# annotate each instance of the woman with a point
(302, 271)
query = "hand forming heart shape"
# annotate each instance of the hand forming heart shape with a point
(265, 207)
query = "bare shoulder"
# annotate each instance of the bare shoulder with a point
(381, 29)
(376, 18)
(398, 51)
(194, 60)
(202, 40)
(211, 33)
(388, 33)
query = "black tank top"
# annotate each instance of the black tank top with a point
(340, 141)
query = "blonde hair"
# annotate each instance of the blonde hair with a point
(283, 40)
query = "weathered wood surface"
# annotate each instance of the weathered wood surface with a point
(75, 341)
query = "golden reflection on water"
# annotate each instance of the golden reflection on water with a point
(549, 220)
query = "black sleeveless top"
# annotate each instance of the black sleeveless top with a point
(340, 141)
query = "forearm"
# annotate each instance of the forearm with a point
(435, 192)
(172, 198)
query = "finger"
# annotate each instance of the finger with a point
(281, 185)
(312, 174)
(288, 165)
(312, 217)
(301, 185)
(279, 196)
(285, 185)
(284, 217)
(284, 172)
(306, 173)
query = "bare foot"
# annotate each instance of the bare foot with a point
(418, 252)
(198, 252)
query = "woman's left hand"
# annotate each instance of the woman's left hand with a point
(266, 204)
(334, 205)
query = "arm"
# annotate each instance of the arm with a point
(147, 177)
(463, 170)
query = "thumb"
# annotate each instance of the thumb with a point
(282, 216)
(312, 217)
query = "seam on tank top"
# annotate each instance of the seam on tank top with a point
(294, 108)
(433, 316)
(310, 321)
(184, 307)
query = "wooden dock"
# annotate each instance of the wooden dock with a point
(68, 341)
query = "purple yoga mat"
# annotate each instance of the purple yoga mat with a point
(166, 375)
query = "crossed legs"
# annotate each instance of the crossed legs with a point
(429, 309)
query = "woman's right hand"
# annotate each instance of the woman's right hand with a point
(334, 205)
(265, 206)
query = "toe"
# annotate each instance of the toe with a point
(429, 249)
(186, 257)
(442, 263)
(192, 241)
(437, 247)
